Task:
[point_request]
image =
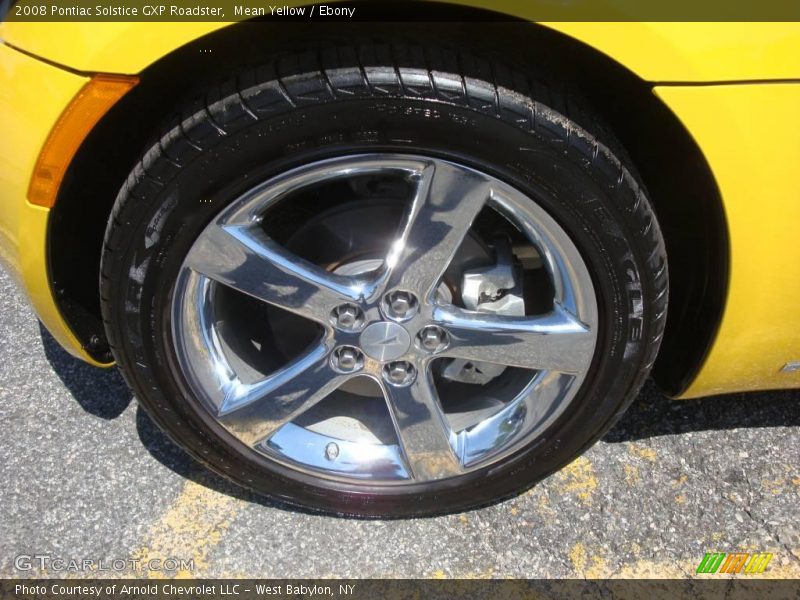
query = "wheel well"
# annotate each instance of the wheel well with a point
(679, 180)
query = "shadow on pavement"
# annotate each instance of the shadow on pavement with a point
(103, 393)
(652, 414)
(100, 392)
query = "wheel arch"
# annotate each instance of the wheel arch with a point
(685, 195)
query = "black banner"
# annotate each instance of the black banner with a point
(401, 11)
(397, 589)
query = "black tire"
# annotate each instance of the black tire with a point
(386, 98)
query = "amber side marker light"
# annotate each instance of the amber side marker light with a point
(78, 119)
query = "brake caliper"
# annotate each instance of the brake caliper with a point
(496, 289)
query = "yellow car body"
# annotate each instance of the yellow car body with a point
(735, 87)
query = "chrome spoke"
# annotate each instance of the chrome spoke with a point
(555, 341)
(423, 430)
(253, 412)
(517, 418)
(446, 202)
(244, 258)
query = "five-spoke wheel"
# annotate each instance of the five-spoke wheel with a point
(390, 324)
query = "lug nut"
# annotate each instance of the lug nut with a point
(433, 338)
(347, 316)
(399, 372)
(347, 359)
(401, 305)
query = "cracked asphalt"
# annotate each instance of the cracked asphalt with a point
(86, 475)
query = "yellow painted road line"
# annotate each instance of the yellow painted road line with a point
(195, 524)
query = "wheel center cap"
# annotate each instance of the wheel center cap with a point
(385, 341)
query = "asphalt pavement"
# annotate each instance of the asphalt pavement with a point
(86, 475)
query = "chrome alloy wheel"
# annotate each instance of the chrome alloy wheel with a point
(389, 324)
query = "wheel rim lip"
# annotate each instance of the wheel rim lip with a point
(565, 266)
